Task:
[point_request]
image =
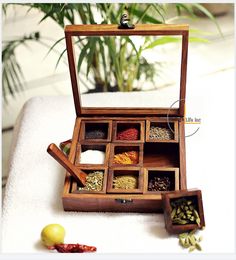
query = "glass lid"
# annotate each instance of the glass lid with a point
(128, 71)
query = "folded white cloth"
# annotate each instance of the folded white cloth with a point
(33, 193)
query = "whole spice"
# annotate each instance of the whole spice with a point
(184, 211)
(190, 241)
(126, 158)
(160, 133)
(159, 184)
(125, 182)
(74, 248)
(95, 134)
(94, 181)
(128, 134)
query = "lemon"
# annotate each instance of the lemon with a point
(52, 234)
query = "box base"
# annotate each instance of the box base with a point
(112, 205)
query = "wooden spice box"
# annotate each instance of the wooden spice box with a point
(193, 195)
(158, 157)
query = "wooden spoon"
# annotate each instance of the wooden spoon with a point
(59, 156)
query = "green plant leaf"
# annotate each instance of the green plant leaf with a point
(144, 13)
(162, 40)
(48, 14)
(6, 78)
(61, 55)
(147, 18)
(198, 39)
(209, 15)
(102, 51)
(51, 48)
(92, 48)
(127, 38)
(82, 55)
(199, 32)
(12, 78)
(187, 7)
(158, 9)
(17, 73)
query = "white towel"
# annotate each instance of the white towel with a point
(34, 189)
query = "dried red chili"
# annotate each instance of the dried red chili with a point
(74, 248)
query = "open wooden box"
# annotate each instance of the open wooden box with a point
(155, 157)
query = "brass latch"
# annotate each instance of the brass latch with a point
(124, 22)
(124, 201)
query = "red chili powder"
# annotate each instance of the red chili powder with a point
(128, 134)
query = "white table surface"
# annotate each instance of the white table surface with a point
(34, 188)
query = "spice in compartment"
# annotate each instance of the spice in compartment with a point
(92, 157)
(159, 183)
(128, 134)
(125, 182)
(94, 182)
(184, 211)
(160, 133)
(131, 157)
(95, 134)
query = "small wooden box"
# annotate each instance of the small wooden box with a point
(193, 195)
(163, 157)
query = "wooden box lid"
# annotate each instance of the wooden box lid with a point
(113, 30)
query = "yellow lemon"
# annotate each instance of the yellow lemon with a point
(52, 234)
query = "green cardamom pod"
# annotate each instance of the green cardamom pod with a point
(192, 240)
(173, 212)
(183, 235)
(198, 247)
(195, 213)
(181, 241)
(193, 232)
(187, 242)
(198, 221)
(191, 248)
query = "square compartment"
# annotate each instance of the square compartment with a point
(121, 134)
(192, 195)
(161, 155)
(122, 148)
(121, 171)
(171, 173)
(95, 154)
(75, 186)
(96, 131)
(170, 125)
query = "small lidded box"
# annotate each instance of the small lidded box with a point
(183, 210)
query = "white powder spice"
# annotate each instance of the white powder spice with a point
(92, 157)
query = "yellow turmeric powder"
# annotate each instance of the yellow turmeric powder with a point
(126, 158)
